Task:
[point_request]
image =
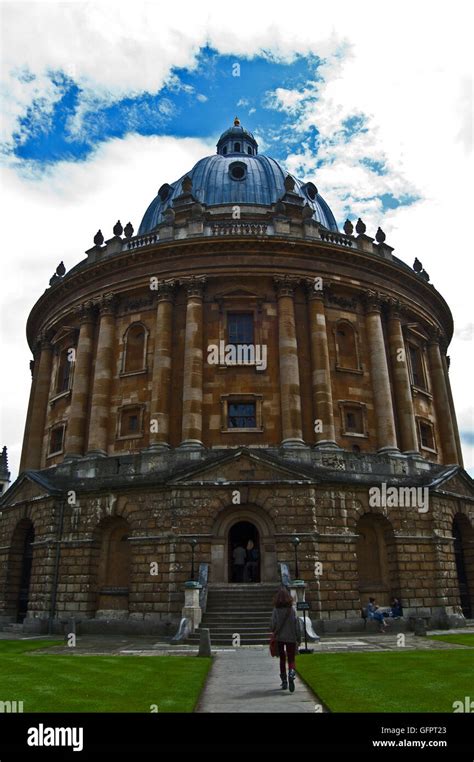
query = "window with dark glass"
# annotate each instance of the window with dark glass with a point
(240, 328)
(130, 422)
(241, 415)
(426, 436)
(416, 362)
(249, 150)
(63, 378)
(237, 147)
(56, 440)
(354, 422)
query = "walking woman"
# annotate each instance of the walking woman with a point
(286, 630)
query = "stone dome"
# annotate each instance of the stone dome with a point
(237, 174)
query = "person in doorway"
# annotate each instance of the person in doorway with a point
(239, 557)
(250, 574)
(286, 629)
(373, 612)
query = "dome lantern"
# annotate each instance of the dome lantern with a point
(237, 140)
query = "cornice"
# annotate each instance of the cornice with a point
(175, 261)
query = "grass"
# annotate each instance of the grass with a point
(76, 683)
(415, 681)
(466, 639)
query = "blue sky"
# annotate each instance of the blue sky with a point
(197, 102)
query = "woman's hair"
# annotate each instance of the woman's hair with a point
(283, 599)
(371, 600)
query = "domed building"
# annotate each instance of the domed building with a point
(239, 373)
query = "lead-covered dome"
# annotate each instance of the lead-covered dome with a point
(237, 174)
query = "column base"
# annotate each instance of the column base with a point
(158, 447)
(95, 453)
(326, 444)
(191, 444)
(389, 451)
(296, 442)
(71, 456)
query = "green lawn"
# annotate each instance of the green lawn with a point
(414, 681)
(75, 683)
(462, 640)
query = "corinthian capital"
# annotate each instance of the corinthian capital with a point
(195, 285)
(107, 303)
(285, 285)
(373, 301)
(85, 312)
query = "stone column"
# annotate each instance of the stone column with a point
(38, 405)
(441, 400)
(401, 381)
(76, 427)
(289, 370)
(383, 405)
(161, 381)
(445, 361)
(103, 375)
(193, 365)
(320, 369)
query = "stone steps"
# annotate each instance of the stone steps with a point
(243, 609)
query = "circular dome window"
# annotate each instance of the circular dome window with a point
(164, 191)
(311, 191)
(238, 170)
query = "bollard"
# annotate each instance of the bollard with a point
(204, 642)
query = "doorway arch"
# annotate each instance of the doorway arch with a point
(241, 534)
(220, 557)
(463, 537)
(20, 564)
(376, 559)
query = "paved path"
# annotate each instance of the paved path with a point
(248, 680)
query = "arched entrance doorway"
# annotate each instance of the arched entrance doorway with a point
(244, 535)
(376, 560)
(463, 535)
(221, 556)
(19, 569)
(113, 570)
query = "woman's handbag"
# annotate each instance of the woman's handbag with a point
(273, 645)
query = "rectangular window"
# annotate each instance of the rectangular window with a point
(131, 422)
(242, 415)
(240, 328)
(354, 421)
(56, 440)
(416, 362)
(64, 372)
(426, 436)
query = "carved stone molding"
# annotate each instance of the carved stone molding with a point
(373, 301)
(195, 286)
(107, 304)
(166, 291)
(85, 312)
(285, 285)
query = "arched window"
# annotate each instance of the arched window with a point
(237, 147)
(224, 150)
(134, 351)
(249, 150)
(347, 351)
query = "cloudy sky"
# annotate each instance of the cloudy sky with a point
(104, 102)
